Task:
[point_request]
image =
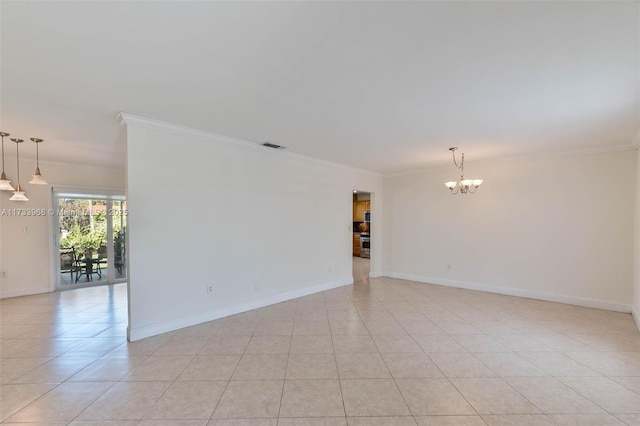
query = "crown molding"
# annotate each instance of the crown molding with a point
(542, 155)
(58, 163)
(126, 119)
(537, 155)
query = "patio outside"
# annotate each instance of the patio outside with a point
(84, 227)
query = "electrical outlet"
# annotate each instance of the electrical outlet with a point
(448, 267)
(209, 289)
(3, 274)
(26, 229)
(256, 286)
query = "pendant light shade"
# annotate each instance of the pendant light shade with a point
(18, 194)
(5, 184)
(37, 179)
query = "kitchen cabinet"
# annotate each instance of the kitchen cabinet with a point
(356, 244)
(359, 208)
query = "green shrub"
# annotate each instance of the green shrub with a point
(84, 243)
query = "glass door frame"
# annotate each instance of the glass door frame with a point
(108, 195)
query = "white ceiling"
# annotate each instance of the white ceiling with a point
(386, 87)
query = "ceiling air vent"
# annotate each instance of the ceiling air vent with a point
(273, 145)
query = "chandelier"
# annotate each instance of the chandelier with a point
(463, 185)
(5, 184)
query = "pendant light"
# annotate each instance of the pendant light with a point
(37, 179)
(462, 186)
(18, 194)
(5, 184)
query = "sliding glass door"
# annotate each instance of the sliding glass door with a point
(90, 239)
(119, 218)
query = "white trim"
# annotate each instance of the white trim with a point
(52, 230)
(149, 123)
(138, 333)
(125, 118)
(44, 163)
(87, 191)
(537, 155)
(24, 292)
(636, 317)
(549, 297)
(631, 146)
(76, 164)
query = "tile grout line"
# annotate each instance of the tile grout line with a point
(335, 362)
(438, 367)
(284, 381)
(413, 416)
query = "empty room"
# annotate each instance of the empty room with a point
(327, 213)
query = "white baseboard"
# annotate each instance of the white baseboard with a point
(138, 333)
(375, 274)
(24, 292)
(549, 297)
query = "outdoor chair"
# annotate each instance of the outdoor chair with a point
(69, 263)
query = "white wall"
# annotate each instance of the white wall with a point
(636, 255)
(27, 256)
(555, 228)
(258, 225)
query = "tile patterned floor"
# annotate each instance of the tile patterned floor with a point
(380, 352)
(360, 268)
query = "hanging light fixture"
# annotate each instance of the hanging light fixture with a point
(5, 184)
(18, 194)
(462, 186)
(37, 179)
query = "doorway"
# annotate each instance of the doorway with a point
(89, 238)
(362, 223)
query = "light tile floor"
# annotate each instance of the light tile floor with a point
(380, 352)
(360, 268)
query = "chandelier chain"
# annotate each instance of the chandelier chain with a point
(461, 166)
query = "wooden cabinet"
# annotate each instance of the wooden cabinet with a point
(359, 208)
(356, 244)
